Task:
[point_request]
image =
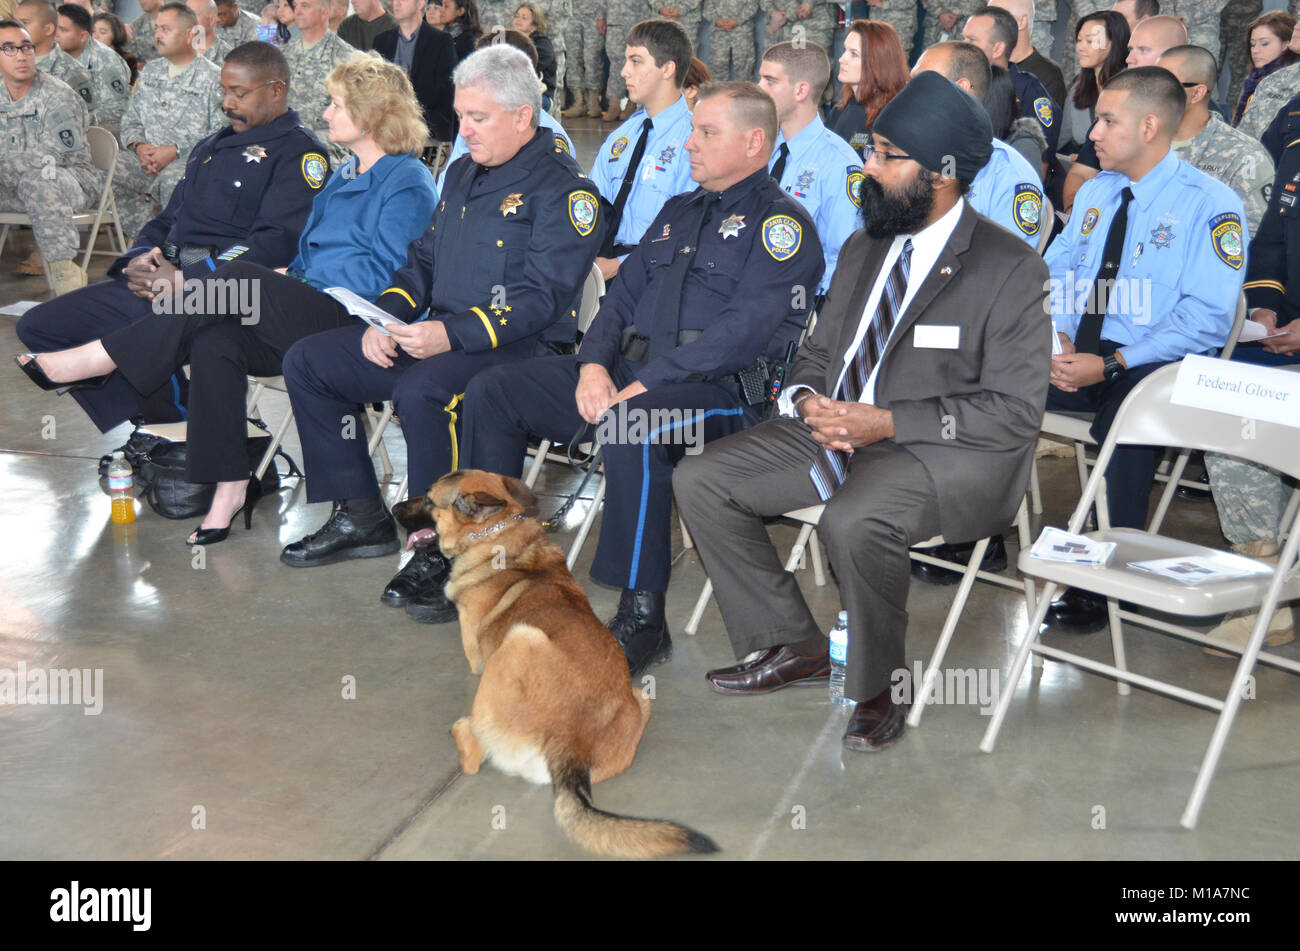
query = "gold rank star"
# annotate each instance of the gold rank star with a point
(502, 321)
(510, 204)
(254, 153)
(509, 308)
(497, 311)
(731, 226)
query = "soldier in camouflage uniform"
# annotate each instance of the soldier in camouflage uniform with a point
(312, 56)
(1201, 17)
(558, 13)
(208, 41)
(961, 9)
(165, 113)
(234, 25)
(141, 45)
(732, 50)
(1210, 144)
(620, 16)
(110, 78)
(815, 25)
(1232, 50)
(584, 69)
(494, 13)
(1043, 33)
(39, 19)
(45, 166)
(1272, 93)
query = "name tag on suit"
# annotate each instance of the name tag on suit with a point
(936, 337)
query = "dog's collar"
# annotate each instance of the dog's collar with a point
(477, 536)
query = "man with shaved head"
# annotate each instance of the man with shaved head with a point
(1026, 54)
(207, 41)
(1207, 142)
(1147, 43)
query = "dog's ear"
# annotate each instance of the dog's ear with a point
(521, 493)
(479, 505)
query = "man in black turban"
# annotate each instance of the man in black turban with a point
(912, 410)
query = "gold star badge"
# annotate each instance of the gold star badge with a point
(731, 226)
(254, 153)
(511, 203)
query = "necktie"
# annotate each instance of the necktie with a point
(778, 169)
(1087, 339)
(668, 302)
(629, 176)
(831, 466)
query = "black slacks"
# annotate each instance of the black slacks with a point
(245, 328)
(887, 504)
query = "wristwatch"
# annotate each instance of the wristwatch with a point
(1111, 368)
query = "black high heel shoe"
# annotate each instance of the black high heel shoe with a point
(37, 376)
(210, 536)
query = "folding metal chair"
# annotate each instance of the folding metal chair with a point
(1149, 417)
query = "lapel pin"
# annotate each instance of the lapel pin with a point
(945, 270)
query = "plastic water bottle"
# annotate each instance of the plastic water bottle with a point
(839, 659)
(121, 488)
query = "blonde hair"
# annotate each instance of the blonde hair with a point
(378, 96)
(539, 18)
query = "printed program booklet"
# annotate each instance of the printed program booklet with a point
(1203, 569)
(358, 306)
(1057, 545)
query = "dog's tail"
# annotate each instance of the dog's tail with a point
(608, 834)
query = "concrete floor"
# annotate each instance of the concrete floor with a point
(225, 733)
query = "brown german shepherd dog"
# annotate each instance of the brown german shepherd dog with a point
(555, 703)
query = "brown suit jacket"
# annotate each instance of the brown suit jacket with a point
(971, 415)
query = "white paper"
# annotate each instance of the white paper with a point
(1253, 330)
(358, 306)
(1056, 341)
(1057, 545)
(18, 308)
(1203, 569)
(1238, 389)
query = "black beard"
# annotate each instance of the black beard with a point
(887, 214)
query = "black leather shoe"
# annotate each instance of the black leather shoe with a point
(778, 667)
(640, 629)
(876, 723)
(426, 572)
(995, 559)
(432, 606)
(1199, 494)
(1077, 612)
(37, 376)
(342, 537)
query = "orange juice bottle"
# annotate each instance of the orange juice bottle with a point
(121, 486)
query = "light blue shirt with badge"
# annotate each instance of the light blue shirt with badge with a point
(1181, 270)
(1007, 190)
(665, 168)
(544, 120)
(824, 174)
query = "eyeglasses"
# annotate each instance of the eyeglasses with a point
(870, 150)
(9, 49)
(239, 96)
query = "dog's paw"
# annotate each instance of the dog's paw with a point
(471, 754)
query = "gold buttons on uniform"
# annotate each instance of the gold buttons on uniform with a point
(500, 243)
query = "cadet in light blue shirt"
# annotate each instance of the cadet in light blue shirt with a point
(1007, 190)
(1166, 287)
(1180, 271)
(812, 163)
(544, 119)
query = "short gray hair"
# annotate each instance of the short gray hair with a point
(507, 74)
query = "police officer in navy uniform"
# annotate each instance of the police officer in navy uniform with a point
(1147, 270)
(1273, 272)
(245, 196)
(724, 275)
(504, 260)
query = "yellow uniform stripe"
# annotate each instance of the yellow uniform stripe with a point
(488, 324)
(450, 410)
(1254, 284)
(398, 290)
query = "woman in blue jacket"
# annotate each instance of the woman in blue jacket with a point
(356, 236)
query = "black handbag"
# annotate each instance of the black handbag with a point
(161, 472)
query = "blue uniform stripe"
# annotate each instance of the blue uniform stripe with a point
(645, 484)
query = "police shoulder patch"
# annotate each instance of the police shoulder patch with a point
(562, 145)
(1027, 207)
(314, 169)
(1043, 109)
(1226, 237)
(617, 148)
(582, 211)
(1090, 219)
(854, 185)
(782, 236)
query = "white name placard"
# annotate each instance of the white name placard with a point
(1239, 389)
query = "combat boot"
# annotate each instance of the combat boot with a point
(66, 276)
(612, 113)
(1236, 628)
(579, 107)
(593, 104)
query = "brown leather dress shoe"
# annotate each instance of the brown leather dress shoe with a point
(876, 723)
(778, 667)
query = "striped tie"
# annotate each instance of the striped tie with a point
(830, 467)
